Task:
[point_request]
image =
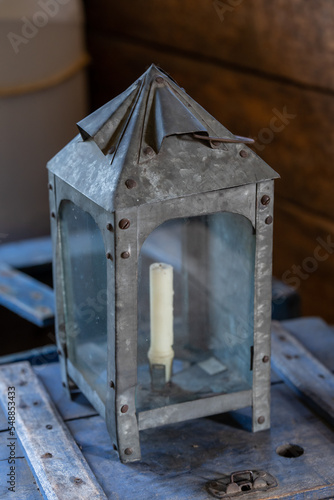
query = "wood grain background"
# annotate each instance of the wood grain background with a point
(245, 62)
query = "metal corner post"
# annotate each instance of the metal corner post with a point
(126, 269)
(262, 306)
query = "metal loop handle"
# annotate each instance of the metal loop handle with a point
(236, 139)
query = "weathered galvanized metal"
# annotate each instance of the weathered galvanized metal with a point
(136, 164)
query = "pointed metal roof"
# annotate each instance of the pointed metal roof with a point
(146, 134)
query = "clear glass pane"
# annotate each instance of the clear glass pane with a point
(213, 280)
(85, 283)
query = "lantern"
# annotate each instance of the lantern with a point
(162, 233)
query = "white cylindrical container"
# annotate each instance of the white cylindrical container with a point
(161, 310)
(42, 94)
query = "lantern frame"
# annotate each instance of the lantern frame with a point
(123, 242)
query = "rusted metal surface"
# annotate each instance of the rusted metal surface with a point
(265, 200)
(124, 224)
(241, 483)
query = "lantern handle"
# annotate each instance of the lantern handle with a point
(236, 139)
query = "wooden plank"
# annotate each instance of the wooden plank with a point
(36, 356)
(69, 409)
(303, 372)
(27, 253)
(316, 336)
(26, 296)
(285, 301)
(57, 463)
(25, 485)
(177, 460)
(281, 38)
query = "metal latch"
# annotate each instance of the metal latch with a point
(241, 482)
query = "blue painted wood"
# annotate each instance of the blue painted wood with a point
(179, 459)
(302, 371)
(26, 487)
(58, 465)
(27, 253)
(285, 301)
(37, 356)
(26, 296)
(78, 407)
(316, 336)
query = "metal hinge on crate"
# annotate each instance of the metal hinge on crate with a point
(240, 483)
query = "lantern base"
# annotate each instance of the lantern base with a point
(190, 381)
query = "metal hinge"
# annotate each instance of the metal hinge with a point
(240, 483)
(251, 357)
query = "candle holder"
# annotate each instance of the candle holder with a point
(162, 234)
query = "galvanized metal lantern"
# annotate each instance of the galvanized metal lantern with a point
(162, 232)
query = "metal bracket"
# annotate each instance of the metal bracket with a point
(240, 483)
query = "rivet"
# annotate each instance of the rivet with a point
(77, 480)
(265, 359)
(159, 79)
(261, 420)
(111, 150)
(130, 184)
(128, 451)
(269, 219)
(109, 227)
(48, 426)
(124, 408)
(243, 153)
(125, 255)
(46, 455)
(53, 215)
(112, 385)
(50, 187)
(265, 200)
(148, 150)
(124, 224)
(109, 256)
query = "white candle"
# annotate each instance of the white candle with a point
(161, 309)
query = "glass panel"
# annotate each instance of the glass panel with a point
(213, 279)
(85, 280)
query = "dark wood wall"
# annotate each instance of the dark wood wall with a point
(265, 69)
